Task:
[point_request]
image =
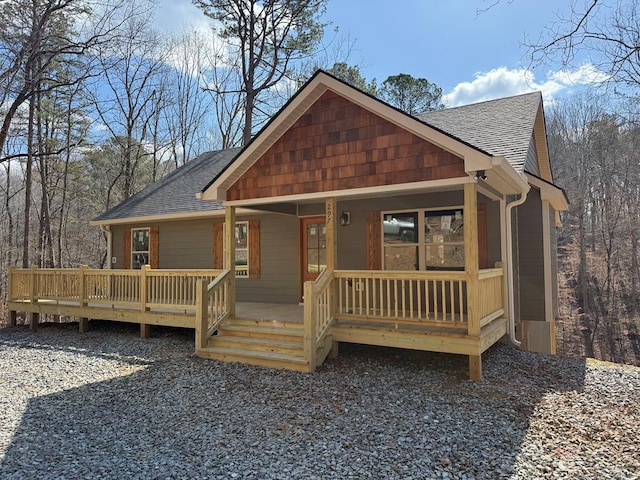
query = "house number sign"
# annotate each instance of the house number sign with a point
(329, 212)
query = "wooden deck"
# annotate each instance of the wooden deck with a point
(413, 310)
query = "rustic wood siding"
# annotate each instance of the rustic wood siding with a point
(531, 258)
(337, 145)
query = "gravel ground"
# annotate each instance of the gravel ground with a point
(108, 404)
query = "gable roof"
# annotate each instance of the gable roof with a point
(481, 143)
(176, 193)
(501, 127)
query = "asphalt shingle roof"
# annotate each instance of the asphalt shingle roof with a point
(176, 193)
(501, 127)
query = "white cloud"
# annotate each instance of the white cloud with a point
(503, 82)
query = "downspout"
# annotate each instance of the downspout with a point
(106, 229)
(510, 287)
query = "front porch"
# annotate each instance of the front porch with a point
(431, 311)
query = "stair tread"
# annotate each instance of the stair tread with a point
(257, 354)
(265, 323)
(258, 341)
(263, 329)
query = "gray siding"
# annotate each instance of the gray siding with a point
(531, 257)
(189, 244)
(182, 244)
(279, 263)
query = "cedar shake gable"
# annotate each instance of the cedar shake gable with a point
(339, 145)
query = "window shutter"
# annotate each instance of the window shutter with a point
(126, 254)
(154, 247)
(218, 245)
(374, 241)
(254, 248)
(483, 260)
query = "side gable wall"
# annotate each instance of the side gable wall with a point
(337, 145)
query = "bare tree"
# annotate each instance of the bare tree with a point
(190, 105)
(125, 98)
(268, 37)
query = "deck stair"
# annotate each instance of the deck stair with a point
(259, 342)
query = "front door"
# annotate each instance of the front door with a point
(313, 247)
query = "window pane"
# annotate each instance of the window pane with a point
(443, 226)
(401, 258)
(140, 240)
(400, 227)
(313, 235)
(139, 259)
(241, 235)
(445, 257)
(313, 260)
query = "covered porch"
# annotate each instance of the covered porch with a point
(459, 311)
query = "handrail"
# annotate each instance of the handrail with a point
(213, 306)
(425, 274)
(319, 313)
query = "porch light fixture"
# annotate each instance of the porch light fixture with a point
(345, 219)
(480, 175)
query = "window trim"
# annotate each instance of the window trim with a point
(421, 244)
(134, 252)
(243, 272)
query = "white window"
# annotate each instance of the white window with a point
(426, 239)
(139, 247)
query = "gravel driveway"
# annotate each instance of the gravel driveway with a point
(108, 404)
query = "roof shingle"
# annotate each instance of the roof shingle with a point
(501, 127)
(175, 193)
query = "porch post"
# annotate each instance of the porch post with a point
(332, 255)
(230, 255)
(472, 271)
(332, 233)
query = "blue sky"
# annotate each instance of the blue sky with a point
(472, 57)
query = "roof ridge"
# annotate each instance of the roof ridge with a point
(482, 102)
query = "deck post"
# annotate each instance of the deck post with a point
(83, 324)
(230, 256)
(202, 307)
(82, 294)
(309, 326)
(331, 220)
(332, 232)
(475, 367)
(471, 262)
(145, 330)
(12, 313)
(33, 297)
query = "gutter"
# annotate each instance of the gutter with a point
(510, 287)
(106, 229)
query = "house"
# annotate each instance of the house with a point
(343, 220)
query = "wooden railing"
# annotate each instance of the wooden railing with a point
(144, 288)
(319, 313)
(425, 298)
(403, 297)
(213, 306)
(490, 294)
